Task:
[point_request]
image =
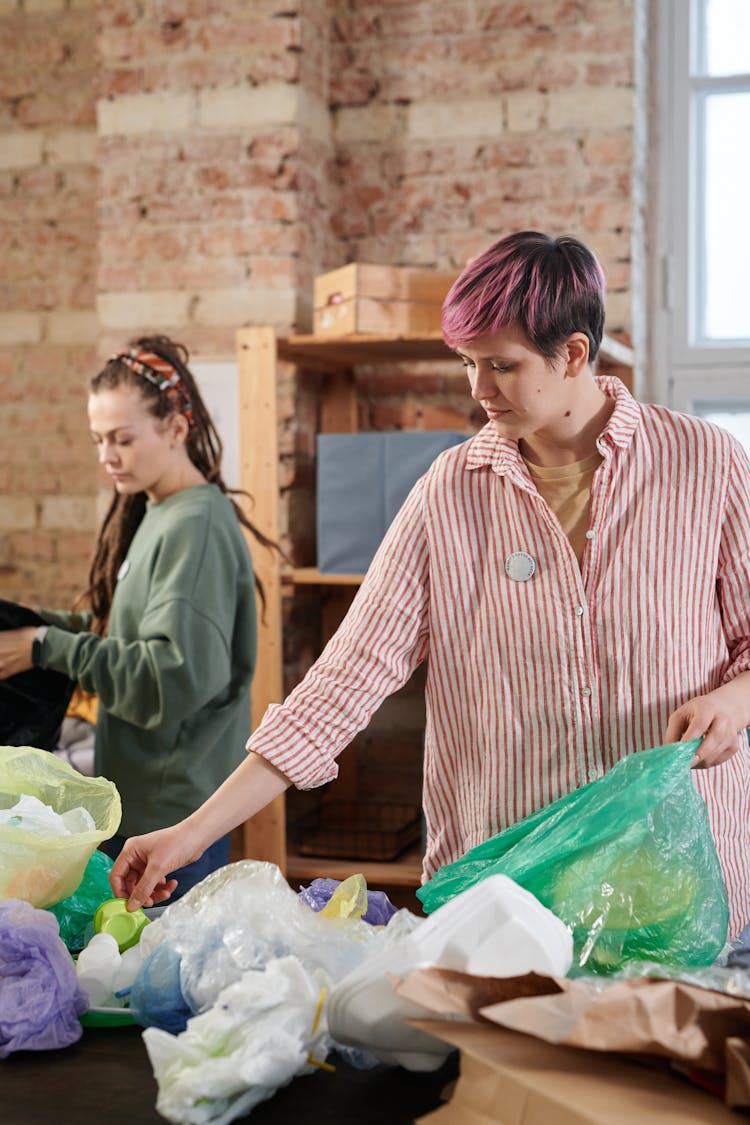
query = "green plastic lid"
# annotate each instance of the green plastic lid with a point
(114, 918)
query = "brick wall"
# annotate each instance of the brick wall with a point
(458, 122)
(48, 326)
(190, 165)
(214, 141)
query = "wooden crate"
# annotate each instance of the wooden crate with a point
(379, 300)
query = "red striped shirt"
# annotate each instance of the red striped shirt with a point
(537, 687)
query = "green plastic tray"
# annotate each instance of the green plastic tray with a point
(108, 1017)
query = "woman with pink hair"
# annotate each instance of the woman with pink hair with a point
(577, 574)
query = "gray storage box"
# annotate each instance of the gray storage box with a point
(363, 479)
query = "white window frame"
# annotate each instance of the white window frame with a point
(683, 374)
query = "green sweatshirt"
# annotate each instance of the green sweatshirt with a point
(173, 673)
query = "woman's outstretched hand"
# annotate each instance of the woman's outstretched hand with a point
(140, 871)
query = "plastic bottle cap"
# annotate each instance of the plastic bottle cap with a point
(125, 927)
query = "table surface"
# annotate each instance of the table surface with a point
(106, 1079)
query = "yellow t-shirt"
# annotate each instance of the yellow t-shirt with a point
(567, 490)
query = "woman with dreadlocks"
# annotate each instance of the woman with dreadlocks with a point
(168, 645)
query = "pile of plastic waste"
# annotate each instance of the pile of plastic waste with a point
(234, 985)
(243, 983)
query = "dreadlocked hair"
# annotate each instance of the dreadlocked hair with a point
(204, 448)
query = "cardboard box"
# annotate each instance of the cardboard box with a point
(537, 1049)
(362, 481)
(379, 300)
(512, 1079)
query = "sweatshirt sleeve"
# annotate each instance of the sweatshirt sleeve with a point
(172, 654)
(73, 622)
(152, 680)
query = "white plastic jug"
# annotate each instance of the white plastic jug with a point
(495, 928)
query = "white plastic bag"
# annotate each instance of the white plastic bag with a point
(33, 815)
(263, 1030)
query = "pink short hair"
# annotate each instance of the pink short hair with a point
(551, 287)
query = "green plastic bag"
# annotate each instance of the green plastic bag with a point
(76, 913)
(40, 869)
(627, 862)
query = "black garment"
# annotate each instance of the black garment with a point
(33, 703)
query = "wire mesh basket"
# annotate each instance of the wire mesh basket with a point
(354, 830)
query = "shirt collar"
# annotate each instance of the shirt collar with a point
(502, 455)
(626, 416)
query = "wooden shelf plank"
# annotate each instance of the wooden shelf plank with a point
(405, 872)
(347, 351)
(311, 576)
(324, 353)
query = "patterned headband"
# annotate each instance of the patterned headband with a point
(162, 375)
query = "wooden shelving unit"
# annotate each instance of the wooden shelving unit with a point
(260, 351)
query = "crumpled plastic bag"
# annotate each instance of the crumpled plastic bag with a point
(371, 906)
(627, 862)
(40, 1000)
(264, 1029)
(76, 912)
(156, 997)
(33, 815)
(43, 870)
(239, 918)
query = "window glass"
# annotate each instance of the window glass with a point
(700, 253)
(725, 307)
(723, 37)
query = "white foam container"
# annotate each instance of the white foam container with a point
(495, 928)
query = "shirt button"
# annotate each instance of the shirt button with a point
(593, 775)
(589, 535)
(586, 692)
(579, 611)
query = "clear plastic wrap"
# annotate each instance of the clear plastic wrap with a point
(267, 1027)
(241, 968)
(242, 917)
